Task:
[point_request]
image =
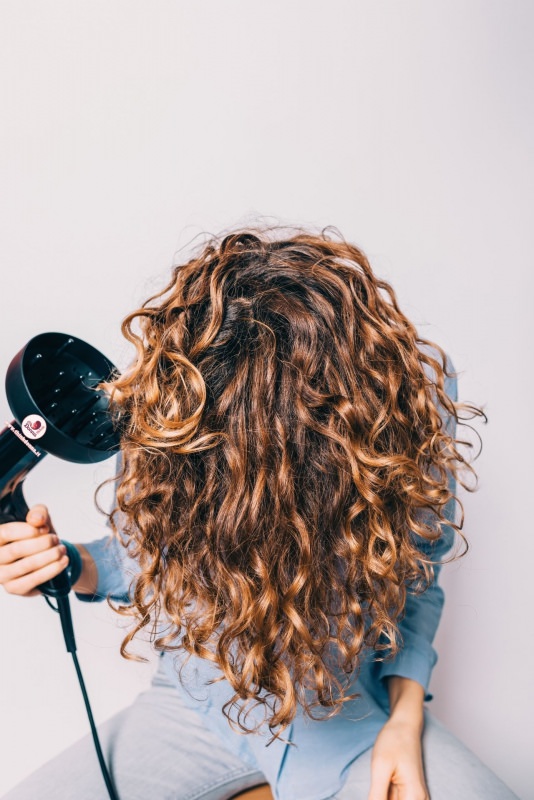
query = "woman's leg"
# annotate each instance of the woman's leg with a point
(451, 769)
(156, 749)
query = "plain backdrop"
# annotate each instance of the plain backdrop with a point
(129, 128)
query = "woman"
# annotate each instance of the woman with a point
(285, 498)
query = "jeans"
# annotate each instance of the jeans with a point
(157, 749)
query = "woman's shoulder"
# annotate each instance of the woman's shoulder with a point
(450, 378)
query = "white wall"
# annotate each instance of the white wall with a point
(129, 127)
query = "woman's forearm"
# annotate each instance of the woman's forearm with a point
(397, 758)
(88, 581)
(406, 698)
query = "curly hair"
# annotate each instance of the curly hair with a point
(283, 454)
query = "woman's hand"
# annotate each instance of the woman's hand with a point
(397, 757)
(30, 553)
(397, 763)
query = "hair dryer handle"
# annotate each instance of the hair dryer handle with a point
(14, 508)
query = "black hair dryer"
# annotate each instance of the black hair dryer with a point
(52, 389)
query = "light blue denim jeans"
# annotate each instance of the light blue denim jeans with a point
(158, 749)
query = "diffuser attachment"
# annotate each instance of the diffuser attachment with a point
(52, 389)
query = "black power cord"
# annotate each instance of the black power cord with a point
(105, 774)
(13, 508)
(63, 609)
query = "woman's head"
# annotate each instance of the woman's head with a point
(282, 444)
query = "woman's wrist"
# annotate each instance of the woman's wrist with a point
(83, 572)
(406, 699)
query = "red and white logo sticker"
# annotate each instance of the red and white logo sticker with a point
(34, 426)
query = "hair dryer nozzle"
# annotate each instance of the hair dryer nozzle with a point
(52, 388)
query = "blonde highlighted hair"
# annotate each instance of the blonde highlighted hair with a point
(284, 450)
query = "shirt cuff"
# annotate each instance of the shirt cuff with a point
(113, 579)
(415, 660)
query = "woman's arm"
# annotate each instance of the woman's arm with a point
(31, 553)
(397, 758)
(107, 570)
(406, 698)
(422, 612)
(88, 581)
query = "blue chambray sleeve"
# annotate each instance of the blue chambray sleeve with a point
(417, 657)
(116, 569)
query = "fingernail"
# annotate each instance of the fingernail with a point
(62, 549)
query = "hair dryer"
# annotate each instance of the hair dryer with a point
(52, 389)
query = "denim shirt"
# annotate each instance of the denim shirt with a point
(314, 765)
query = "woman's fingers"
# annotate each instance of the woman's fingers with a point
(380, 781)
(33, 563)
(26, 584)
(30, 553)
(22, 548)
(38, 517)
(383, 789)
(15, 531)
